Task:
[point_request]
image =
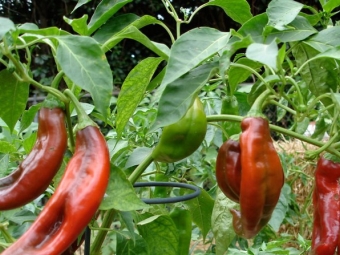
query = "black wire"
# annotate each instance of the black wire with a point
(167, 200)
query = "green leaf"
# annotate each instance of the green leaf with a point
(331, 5)
(178, 96)
(28, 117)
(137, 156)
(133, 90)
(78, 25)
(264, 53)
(4, 164)
(131, 32)
(222, 222)
(302, 29)
(86, 65)
(13, 98)
(321, 76)
(7, 148)
(120, 194)
(29, 142)
(238, 10)
(160, 234)
(282, 12)
(127, 220)
(6, 25)
(325, 39)
(80, 3)
(281, 208)
(191, 49)
(201, 209)
(238, 75)
(105, 10)
(131, 246)
(254, 27)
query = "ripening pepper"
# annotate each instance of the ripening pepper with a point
(74, 202)
(228, 169)
(37, 170)
(326, 203)
(181, 139)
(261, 177)
(183, 221)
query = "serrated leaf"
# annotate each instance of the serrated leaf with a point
(5, 26)
(160, 234)
(264, 53)
(133, 90)
(222, 222)
(13, 98)
(282, 12)
(120, 194)
(7, 148)
(238, 10)
(86, 65)
(105, 10)
(179, 94)
(201, 209)
(191, 49)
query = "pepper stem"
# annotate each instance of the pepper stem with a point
(256, 108)
(83, 119)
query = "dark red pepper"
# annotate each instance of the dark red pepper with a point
(37, 170)
(326, 203)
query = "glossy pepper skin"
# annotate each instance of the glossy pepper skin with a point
(183, 221)
(181, 139)
(75, 201)
(261, 179)
(37, 170)
(326, 201)
(228, 169)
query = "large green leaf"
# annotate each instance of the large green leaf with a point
(160, 234)
(5, 26)
(120, 194)
(133, 90)
(331, 5)
(201, 209)
(321, 76)
(325, 39)
(238, 10)
(302, 29)
(191, 49)
(85, 64)
(178, 96)
(264, 53)
(131, 246)
(222, 222)
(254, 27)
(104, 11)
(282, 12)
(13, 98)
(131, 32)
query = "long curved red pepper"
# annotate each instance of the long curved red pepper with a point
(228, 169)
(326, 200)
(37, 170)
(74, 202)
(261, 179)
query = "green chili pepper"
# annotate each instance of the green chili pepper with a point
(183, 221)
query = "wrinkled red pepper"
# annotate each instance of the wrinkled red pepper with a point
(326, 201)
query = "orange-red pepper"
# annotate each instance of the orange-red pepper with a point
(75, 201)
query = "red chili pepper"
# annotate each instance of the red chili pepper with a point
(37, 170)
(228, 169)
(75, 201)
(326, 200)
(261, 177)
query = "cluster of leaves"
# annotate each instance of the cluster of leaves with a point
(291, 51)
